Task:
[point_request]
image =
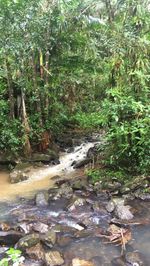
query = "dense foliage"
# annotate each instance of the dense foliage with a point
(76, 62)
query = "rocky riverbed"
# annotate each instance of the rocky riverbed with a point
(75, 222)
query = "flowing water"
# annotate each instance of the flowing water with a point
(40, 178)
(16, 205)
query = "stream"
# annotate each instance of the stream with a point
(78, 223)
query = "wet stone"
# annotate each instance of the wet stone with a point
(40, 227)
(123, 212)
(79, 183)
(80, 262)
(118, 262)
(55, 177)
(64, 191)
(76, 202)
(53, 258)
(36, 252)
(17, 176)
(49, 238)
(110, 206)
(134, 258)
(81, 163)
(41, 199)
(28, 241)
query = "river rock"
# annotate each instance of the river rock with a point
(142, 195)
(53, 258)
(55, 177)
(110, 206)
(113, 186)
(76, 202)
(118, 262)
(79, 183)
(80, 262)
(64, 191)
(49, 238)
(81, 163)
(98, 187)
(41, 199)
(28, 241)
(36, 252)
(134, 258)
(8, 159)
(17, 176)
(123, 212)
(40, 227)
(44, 158)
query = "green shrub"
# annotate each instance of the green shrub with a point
(13, 256)
(128, 135)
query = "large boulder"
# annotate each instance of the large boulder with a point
(45, 158)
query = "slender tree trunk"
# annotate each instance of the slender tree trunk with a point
(36, 90)
(41, 65)
(10, 90)
(27, 145)
(46, 83)
(110, 10)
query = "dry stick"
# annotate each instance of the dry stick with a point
(123, 242)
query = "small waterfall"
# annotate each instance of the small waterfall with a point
(66, 160)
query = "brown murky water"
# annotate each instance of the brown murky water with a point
(84, 247)
(25, 189)
(40, 178)
(28, 188)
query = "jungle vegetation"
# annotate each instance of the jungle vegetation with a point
(76, 62)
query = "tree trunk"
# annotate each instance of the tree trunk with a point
(46, 84)
(36, 90)
(10, 90)
(27, 146)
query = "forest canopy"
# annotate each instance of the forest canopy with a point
(76, 62)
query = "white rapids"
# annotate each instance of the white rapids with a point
(41, 178)
(66, 160)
